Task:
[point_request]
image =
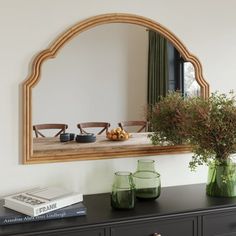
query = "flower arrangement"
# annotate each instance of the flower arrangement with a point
(167, 120)
(208, 125)
(212, 128)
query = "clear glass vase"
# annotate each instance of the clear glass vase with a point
(123, 191)
(147, 181)
(221, 180)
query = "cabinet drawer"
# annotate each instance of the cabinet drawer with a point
(94, 232)
(177, 227)
(221, 224)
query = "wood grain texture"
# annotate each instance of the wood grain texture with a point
(34, 77)
(138, 142)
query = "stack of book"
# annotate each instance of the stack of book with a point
(41, 204)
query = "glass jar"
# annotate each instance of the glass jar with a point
(123, 191)
(221, 180)
(147, 181)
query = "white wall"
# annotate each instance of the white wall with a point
(101, 75)
(206, 27)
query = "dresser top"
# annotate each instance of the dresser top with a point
(186, 199)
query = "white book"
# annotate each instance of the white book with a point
(40, 201)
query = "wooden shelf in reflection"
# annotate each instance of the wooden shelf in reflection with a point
(43, 147)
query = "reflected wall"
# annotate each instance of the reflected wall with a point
(99, 76)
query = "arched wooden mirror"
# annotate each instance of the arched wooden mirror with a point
(100, 72)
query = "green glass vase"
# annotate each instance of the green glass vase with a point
(147, 181)
(123, 191)
(221, 180)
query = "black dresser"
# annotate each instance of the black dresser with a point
(180, 211)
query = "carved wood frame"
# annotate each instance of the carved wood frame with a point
(51, 52)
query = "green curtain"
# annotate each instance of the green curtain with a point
(157, 67)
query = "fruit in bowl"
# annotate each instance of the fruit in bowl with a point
(118, 134)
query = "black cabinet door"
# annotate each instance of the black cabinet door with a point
(177, 227)
(220, 224)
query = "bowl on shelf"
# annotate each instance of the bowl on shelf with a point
(65, 137)
(85, 138)
(118, 134)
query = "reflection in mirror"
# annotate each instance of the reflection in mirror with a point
(108, 68)
(101, 75)
(110, 73)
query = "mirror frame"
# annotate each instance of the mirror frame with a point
(51, 52)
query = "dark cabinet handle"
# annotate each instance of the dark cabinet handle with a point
(156, 234)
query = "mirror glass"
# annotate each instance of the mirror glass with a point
(102, 75)
(108, 68)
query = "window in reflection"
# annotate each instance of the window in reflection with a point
(191, 87)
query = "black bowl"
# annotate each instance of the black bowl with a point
(72, 136)
(85, 138)
(65, 137)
